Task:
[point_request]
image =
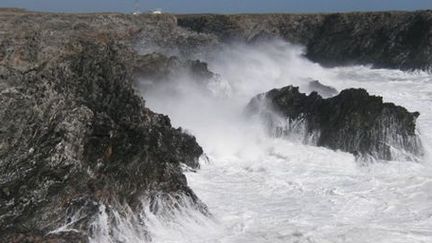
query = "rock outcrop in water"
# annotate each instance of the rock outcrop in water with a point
(352, 121)
(323, 90)
(75, 136)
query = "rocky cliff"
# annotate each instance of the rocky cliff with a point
(401, 40)
(74, 136)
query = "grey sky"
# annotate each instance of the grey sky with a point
(219, 6)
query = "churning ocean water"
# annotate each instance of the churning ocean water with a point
(264, 189)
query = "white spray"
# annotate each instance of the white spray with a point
(264, 189)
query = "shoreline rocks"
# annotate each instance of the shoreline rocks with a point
(397, 40)
(352, 121)
(74, 136)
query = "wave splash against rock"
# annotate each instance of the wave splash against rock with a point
(352, 121)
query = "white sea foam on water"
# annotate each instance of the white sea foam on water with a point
(263, 189)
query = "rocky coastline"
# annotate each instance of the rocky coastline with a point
(75, 135)
(399, 40)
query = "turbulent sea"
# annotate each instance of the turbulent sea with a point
(264, 189)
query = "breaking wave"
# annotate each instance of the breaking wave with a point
(262, 188)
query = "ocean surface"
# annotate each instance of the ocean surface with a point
(264, 189)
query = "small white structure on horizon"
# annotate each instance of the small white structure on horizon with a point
(156, 11)
(136, 11)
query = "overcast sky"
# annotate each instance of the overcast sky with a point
(219, 6)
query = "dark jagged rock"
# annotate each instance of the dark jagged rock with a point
(158, 67)
(401, 40)
(199, 70)
(386, 40)
(352, 121)
(64, 237)
(74, 135)
(323, 90)
(296, 28)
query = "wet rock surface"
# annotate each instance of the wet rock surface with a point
(386, 40)
(74, 134)
(352, 121)
(401, 40)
